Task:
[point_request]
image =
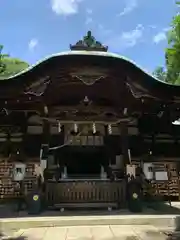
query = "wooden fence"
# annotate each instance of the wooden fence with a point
(85, 194)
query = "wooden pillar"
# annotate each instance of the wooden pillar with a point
(24, 128)
(124, 142)
(62, 135)
(60, 152)
(45, 136)
(106, 146)
(45, 140)
(46, 132)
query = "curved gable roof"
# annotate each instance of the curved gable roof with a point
(140, 78)
(86, 53)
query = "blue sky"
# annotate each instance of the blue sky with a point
(31, 30)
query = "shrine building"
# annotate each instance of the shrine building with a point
(85, 111)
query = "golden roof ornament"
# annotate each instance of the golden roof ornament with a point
(88, 43)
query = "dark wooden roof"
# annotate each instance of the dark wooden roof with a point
(87, 71)
(61, 66)
(87, 84)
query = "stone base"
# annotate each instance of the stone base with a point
(64, 221)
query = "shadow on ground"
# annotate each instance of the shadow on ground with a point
(158, 208)
(4, 236)
(159, 234)
(161, 207)
(173, 234)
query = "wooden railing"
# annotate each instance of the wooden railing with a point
(85, 193)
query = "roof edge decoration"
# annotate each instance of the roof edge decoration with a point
(88, 43)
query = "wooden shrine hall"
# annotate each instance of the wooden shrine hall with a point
(82, 118)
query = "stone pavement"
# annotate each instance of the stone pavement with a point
(106, 232)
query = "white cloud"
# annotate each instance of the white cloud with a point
(32, 43)
(130, 6)
(161, 36)
(132, 37)
(127, 39)
(65, 7)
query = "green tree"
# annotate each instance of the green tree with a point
(2, 64)
(173, 51)
(160, 73)
(10, 66)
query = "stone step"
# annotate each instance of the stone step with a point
(60, 221)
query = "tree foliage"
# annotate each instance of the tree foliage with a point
(10, 66)
(2, 65)
(160, 73)
(13, 66)
(172, 54)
